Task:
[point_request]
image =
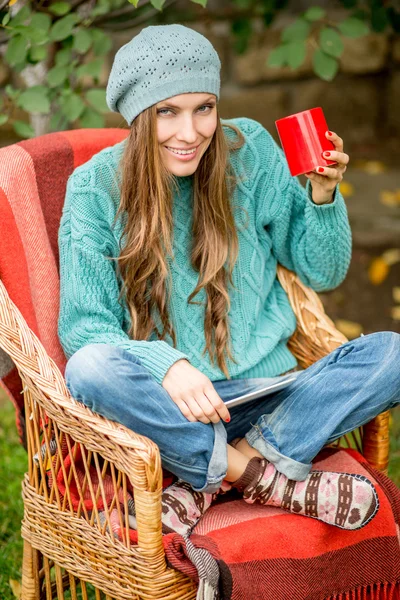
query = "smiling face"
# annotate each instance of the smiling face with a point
(185, 127)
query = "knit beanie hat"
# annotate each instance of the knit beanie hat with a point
(160, 62)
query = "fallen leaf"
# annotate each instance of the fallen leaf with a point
(15, 587)
(378, 271)
(395, 313)
(350, 329)
(372, 167)
(346, 189)
(391, 256)
(389, 198)
(396, 294)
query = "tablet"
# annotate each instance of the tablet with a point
(276, 384)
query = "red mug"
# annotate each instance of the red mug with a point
(303, 140)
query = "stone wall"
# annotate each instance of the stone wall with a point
(361, 103)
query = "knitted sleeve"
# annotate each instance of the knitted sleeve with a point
(312, 240)
(90, 311)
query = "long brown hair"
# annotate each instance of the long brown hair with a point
(146, 199)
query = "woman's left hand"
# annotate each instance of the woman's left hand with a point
(325, 179)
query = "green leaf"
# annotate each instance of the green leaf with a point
(60, 8)
(158, 4)
(92, 68)
(3, 119)
(379, 19)
(11, 92)
(16, 51)
(296, 31)
(41, 21)
(91, 119)
(6, 19)
(277, 57)
(57, 75)
(36, 36)
(38, 53)
(102, 43)
(314, 13)
(325, 66)
(82, 41)
(203, 3)
(97, 98)
(72, 106)
(102, 8)
(35, 100)
(23, 129)
(63, 28)
(63, 57)
(242, 30)
(331, 42)
(21, 16)
(134, 2)
(353, 27)
(296, 54)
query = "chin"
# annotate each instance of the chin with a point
(184, 170)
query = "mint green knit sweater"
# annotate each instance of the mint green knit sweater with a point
(284, 226)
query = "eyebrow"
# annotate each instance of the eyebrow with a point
(210, 99)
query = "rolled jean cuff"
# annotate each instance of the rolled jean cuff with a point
(218, 465)
(293, 469)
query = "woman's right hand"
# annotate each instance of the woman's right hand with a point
(194, 394)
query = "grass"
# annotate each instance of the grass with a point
(13, 463)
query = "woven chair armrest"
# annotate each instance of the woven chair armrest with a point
(315, 337)
(316, 334)
(135, 455)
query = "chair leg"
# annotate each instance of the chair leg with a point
(30, 573)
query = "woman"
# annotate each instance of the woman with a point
(169, 243)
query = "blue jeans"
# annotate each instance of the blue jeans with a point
(337, 394)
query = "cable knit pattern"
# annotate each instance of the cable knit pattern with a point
(282, 225)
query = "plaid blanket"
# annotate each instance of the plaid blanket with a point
(33, 178)
(266, 553)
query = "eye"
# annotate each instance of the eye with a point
(161, 109)
(206, 106)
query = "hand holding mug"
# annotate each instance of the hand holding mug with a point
(312, 150)
(324, 179)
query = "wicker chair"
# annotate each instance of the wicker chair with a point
(68, 545)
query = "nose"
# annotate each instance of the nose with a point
(187, 130)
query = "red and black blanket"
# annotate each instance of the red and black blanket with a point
(266, 553)
(33, 178)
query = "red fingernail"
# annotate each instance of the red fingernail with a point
(330, 133)
(320, 170)
(327, 153)
(227, 420)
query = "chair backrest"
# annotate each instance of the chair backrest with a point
(33, 178)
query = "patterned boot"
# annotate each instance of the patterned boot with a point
(348, 501)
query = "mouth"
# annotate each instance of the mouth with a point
(183, 154)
